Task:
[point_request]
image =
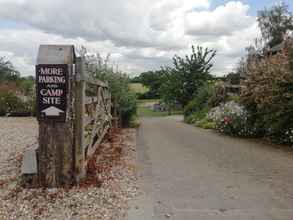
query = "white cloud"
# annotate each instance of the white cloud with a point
(224, 20)
(141, 35)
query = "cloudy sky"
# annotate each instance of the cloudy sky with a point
(140, 34)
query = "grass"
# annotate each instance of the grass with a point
(147, 101)
(144, 111)
(147, 112)
(138, 88)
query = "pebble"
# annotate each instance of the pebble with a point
(167, 215)
(109, 202)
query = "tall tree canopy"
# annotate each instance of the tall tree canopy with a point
(181, 83)
(153, 80)
(275, 23)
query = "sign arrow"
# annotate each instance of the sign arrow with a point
(52, 111)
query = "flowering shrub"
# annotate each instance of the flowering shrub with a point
(232, 119)
(217, 113)
(268, 95)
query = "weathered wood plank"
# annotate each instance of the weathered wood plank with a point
(91, 150)
(91, 80)
(55, 157)
(80, 100)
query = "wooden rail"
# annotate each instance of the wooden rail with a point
(92, 115)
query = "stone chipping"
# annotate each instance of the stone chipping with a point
(106, 199)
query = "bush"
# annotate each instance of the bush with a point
(134, 122)
(11, 103)
(122, 96)
(206, 123)
(197, 116)
(268, 95)
(200, 102)
(235, 125)
(232, 119)
(128, 107)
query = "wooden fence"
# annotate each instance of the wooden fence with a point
(92, 115)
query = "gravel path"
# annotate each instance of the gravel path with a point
(189, 173)
(108, 199)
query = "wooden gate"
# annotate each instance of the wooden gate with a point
(92, 116)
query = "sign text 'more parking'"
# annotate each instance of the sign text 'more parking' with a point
(52, 83)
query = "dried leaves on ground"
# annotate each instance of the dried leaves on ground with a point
(111, 182)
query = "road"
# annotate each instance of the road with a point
(187, 173)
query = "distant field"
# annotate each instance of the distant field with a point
(144, 109)
(138, 88)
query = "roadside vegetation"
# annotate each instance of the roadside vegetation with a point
(123, 98)
(16, 92)
(255, 100)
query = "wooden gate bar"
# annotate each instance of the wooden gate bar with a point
(79, 154)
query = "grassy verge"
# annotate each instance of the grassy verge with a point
(144, 109)
(147, 112)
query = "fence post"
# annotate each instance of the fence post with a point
(54, 74)
(80, 87)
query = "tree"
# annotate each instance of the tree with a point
(153, 80)
(181, 83)
(233, 78)
(170, 87)
(274, 24)
(7, 71)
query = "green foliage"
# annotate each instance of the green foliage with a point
(128, 107)
(196, 115)
(26, 85)
(235, 98)
(188, 74)
(201, 100)
(138, 88)
(134, 122)
(121, 94)
(275, 23)
(206, 123)
(144, 111)
(11, 103)
(12, 86)
(233, 78)
(7, 71)
(153, 81)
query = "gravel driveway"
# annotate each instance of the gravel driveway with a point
(106, 201)
(187, 173)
